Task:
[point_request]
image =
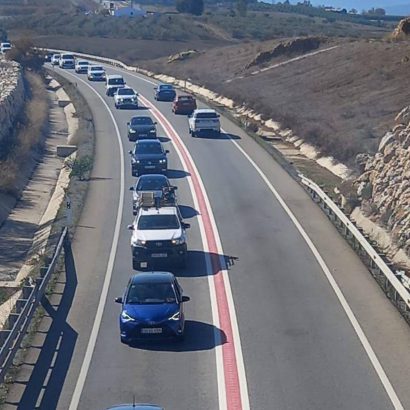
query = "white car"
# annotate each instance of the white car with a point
(158, 235)
(113, 83)
(96, 73)
(55, 59)
(81, 66)
(204, 121)
(66, 61)
(4, 47)
(126, 98)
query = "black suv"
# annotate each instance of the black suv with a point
(148, 157)
(141, 127)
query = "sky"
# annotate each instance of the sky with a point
(391, 6)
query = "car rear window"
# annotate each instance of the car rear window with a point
(206, 115)
(116, 81)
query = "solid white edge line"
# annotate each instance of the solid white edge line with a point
(104, 292)
(351, 316)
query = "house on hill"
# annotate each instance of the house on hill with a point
(124, 9)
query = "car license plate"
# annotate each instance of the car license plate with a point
(151, 330)
(159, 255)
(149, 166)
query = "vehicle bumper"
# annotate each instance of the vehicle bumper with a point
(207, 131)
(169, 255)
(165, 97)
(146, 169)
(81, 71)
(133, 136)
(96, 78)
(129, 105)
(67, 66)
(137, 331)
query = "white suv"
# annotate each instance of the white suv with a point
(158, 236)
(66, 61)
(204, 121)
(125, 97)
(96, 73)
(113, 83)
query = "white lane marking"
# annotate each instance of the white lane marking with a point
(104, 293)
(211, 283)
(351, 316)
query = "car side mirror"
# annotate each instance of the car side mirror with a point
(173, 188)
(130, 227)
(184, 299)
(155, 123)
(131, 188)
(119, 300)
(130, 152)
(185, 225)
(166, 151)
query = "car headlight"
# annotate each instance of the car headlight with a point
(132, 131)
(138, 242)
(152, 131)
(176, 316)
(126, 317)
(162, 161)
(178, 241)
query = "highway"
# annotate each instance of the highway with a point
(283, 315)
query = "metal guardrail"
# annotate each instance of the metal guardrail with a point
(18, 321)
(385, 277)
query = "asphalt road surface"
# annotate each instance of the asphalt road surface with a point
(283, 315)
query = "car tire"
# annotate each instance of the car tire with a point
(124, 340)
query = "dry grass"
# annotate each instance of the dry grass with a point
(29, 135)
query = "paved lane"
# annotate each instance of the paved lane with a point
(299, 348)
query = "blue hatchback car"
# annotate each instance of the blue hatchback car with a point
(152, 308)
(165, 92)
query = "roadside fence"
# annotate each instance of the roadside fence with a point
(17, 324)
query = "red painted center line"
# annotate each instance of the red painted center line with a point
(232, 385)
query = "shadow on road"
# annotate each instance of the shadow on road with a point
(177, 174)
(187, 212)
(222, 136)
(198, 336)
(164, 139)
(57, 350)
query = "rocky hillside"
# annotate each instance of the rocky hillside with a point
(384, 186)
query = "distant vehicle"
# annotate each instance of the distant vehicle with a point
(165, 92)
(135, 407)
(125, 98)
(4, 47)
(141, 127)
(113, 83)
(66, 61)
(55, 59)
(204, 121)
(148, 157)
(152, 308)
(96, 73)
(184, 104)
(159, 185)
(47, 58)
(81, 66)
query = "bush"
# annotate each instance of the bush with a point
(80, 166)
(23, 52)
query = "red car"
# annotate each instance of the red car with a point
(184, 104)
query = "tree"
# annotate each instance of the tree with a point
(195, 7)
(353, 11)
(23, 52)
(242, 6)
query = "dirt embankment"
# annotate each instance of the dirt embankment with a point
(290, 48)
(341, 100)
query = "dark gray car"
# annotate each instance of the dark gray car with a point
(141, 127)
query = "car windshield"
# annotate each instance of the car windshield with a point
(141, 121)
(67, 57)
(206, 115)
(166, 87)
(82, 63)
(126, 91)
(146, 293)
(148, 148)
(185, 98)
(97, 68)
(156, 222)
(152, 184)
(116, 81)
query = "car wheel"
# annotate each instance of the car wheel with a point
(124, 340)
(193, 134)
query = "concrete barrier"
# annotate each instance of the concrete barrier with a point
(64, 151)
